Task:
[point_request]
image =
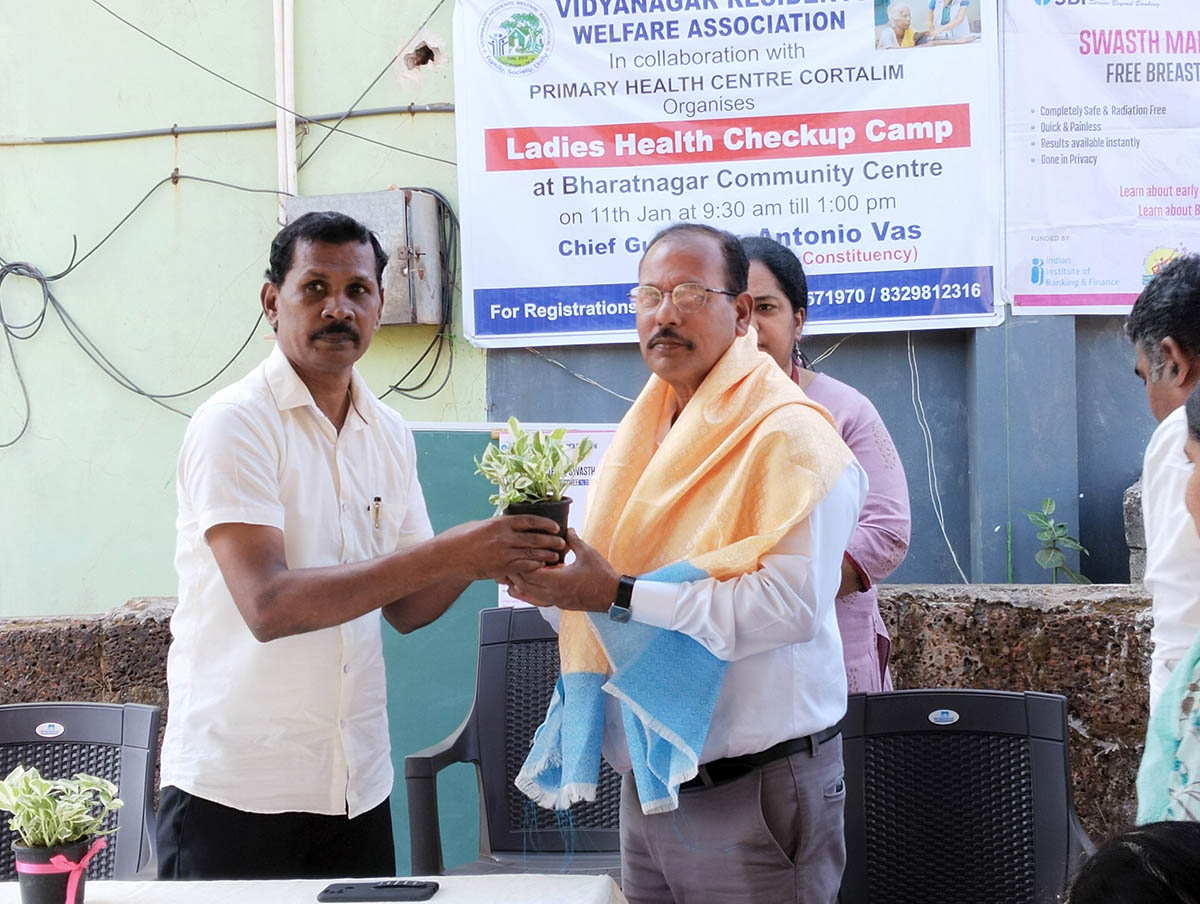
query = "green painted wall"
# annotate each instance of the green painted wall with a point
(431, 672)
(87, 494)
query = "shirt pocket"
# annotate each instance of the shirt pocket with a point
(388, 527)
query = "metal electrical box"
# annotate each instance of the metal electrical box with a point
(408, 222)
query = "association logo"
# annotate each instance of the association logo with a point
(1037, 271)
(1157, 259)
(515, 37)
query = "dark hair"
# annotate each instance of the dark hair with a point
(1168, 306)
(784, 266)
(1157, 863)
(1193, 413)
(320, 226)
(736, 265)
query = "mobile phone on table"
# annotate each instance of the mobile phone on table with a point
(382, 890)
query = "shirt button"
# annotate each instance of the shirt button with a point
(341, 723)
(346, 669)
(344, 506)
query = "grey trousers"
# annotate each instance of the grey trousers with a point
(774, 834)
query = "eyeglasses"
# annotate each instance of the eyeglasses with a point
(687, 297)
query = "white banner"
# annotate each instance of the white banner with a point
(867, 144)
(1102, 107)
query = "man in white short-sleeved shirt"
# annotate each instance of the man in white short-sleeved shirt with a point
(301, 520)
(1165, 328)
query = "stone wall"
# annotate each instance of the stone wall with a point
(118, 657)
(1090, 643)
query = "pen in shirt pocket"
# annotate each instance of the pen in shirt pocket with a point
(375, 506)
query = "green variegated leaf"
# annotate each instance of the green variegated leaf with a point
(534, 466)
(46, 813)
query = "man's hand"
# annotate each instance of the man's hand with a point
(502, 546)
(588, 584)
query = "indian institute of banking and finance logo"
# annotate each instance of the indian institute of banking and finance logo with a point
(515, 37)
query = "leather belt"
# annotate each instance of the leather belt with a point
(727, 769)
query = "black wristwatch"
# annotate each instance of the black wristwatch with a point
(620, 610)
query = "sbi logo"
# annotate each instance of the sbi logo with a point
(1061, 2)
(1042, 2)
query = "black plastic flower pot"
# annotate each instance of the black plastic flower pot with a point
(554, 509)
(49, 888)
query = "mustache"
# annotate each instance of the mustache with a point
(667, 333)
(336, 329)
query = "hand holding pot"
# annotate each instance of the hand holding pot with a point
(588, 584)
(498, 547)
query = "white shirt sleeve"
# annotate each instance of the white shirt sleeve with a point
(1172, 549)
(780, 604)
(416, 527)
(229, 470)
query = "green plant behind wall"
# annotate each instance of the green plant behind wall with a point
(1055, 538)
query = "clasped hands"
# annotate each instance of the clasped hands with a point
(520, 551)
(588, 584)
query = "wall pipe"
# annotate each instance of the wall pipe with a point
(285, 122)
(411, 109)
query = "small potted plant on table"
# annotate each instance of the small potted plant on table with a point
(533, 472)
(58, 822)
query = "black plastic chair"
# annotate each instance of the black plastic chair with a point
(958, 795)
(518, 668)
(118, 742)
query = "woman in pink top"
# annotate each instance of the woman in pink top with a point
(881, 540)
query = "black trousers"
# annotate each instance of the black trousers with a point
(199, 839)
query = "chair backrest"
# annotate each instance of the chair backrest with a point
(958, 795)
(118, 742)
(518, 668)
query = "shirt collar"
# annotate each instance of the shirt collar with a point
(289, 390)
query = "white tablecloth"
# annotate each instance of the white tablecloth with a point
(517, 889)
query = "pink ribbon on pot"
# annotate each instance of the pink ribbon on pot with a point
(60, 864)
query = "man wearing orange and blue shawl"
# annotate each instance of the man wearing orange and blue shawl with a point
(697, 632)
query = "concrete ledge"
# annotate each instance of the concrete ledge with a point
(1090, 643)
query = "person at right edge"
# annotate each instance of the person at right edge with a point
(1165, 328)
(880, 540)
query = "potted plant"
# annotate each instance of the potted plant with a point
(532, 473)
(58, 822)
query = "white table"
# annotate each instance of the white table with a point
(517, 889)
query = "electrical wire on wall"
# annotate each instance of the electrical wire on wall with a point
(935, 495)
(440, 345)
(24, 331)
(442, 341)
(300, 117)
(578, 376)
